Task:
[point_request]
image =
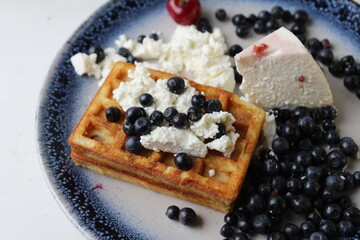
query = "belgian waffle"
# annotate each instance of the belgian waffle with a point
(98, 144)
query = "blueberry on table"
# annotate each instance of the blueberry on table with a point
(133, 144)
(142, 125)
(313, 43)
(220, 14)
(124, 52)
(169, 113)
(99, 51)
(300, 16)
(298, 28)
(347, 60)
(291, 231)
(346, 228)
(280, 145)
(176, 85)
(231, 219)
(172, 212)
(239, 19)
(213, 105)
(277, 12)
(318, 236)
(348, 178)
(180, 120)
(259, 27)
(336, 68)
(325, 56)
(112, 114)
(332, 137)
(328, 227)
(129, 128)
(262, 224)
(134, 113)
(332, 211)
(235, 49)
(183, 161)
(252, 19)
(156, 117)
(264, 15)
(287, 16)
(242, 31)
(276, 205)
(226, 231)
(352, 82)
(146, 99)
(198, 100)
(187, 217)
(194, 114)
(335, 182)
(336, 160)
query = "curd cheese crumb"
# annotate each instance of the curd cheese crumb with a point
(211, 172)
(225, 144)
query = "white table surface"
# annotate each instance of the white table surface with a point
(31, 33)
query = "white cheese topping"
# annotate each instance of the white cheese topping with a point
(225, 144)
(206, 127)
(171, 139)
(211, 172)
(269, 129)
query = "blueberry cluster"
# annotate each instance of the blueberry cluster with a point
(100, 54)
(186, 216)
(301, 176)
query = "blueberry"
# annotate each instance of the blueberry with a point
(180, 120)
(317, 136)
(297, 169)
(301, 37)
(306, 124)
(278, 184)
(272, 25)
(239, 19)
(220, 15)
(325, 56)
(346, 228)
(329, 228)
(280, 145)
(299, 111)
(307, 228)
(335, 181)
(133, 145)
(281, 114)
(252, 19)
(275, 236)
(112, 114)
(271, 167)
(329, 125)
(241, 236)
(156, 118)
(332, 137)
(277, 12)
(291, 231)
(336, 68)
(194, 114)
(312, 188)
(231, 219)
(352, 214)
(301, 204)
(99, 51)
(242, 31)
(264, 189)
(140, 38)
(264, 15)
(314, 173)
(315, 114)
(234, 49)
(132, 59)
(255, 204)
(356, 176)
(198, 100)
(142, 125)
(237, 75)
(176, 85)
(348, 180)
(291, 132)
(259, 27)
(226, 231)
(169, 113)
(205, 28)
(222, 130)
(276, 205)
(124, 52)
(313, 43)
(287, 16)
(154, 36)
(285, 168)
(352, 82)
(357, 93)
(213, 105)
(300, 16)
(314, 217)
(336, 160)
(313, 52)
(134, 113)
(294, 185)
(305, 144)
(262, 224)
(203, 21)
(329, 195)
(183, 161)
(172, 212)
(326, 43)
(304, 158)
(244, 225)
(344, 201)
(298, 28)
(347, 60)
(318, 236)
(146, 99)
(332, 211)
(129, 128)
(329, 112)
(349, 70)
(187, 217)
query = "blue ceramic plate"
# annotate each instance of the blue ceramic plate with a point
(120, 210)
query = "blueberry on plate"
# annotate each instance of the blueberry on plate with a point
(129, 128)
(142, 125)
(352, 214)
(112, 114)
(275, 236)
(239, 19)
(294, 185)
(156, 117)
(220, 14)
(226, 231)
(154, 36)
(172, 212)
(213, 105)
(134, 113)
(277, 12)
(183, 161)
(176, 85)
(332, 211)
(169, 113)
(262, 224)
(306, 124)
(335, 181)
(301, 204)
(336, 68)
(259, 27)
(276, 205)
(140, 38)
(280, 145)
(187, 217)
(352, 82)
(234, 49)
(231, 219)
(146, 99)
(336, 160)
(124, 52)
(332, 137)
(346, 228)
(325, 56)
(291, 231)
(241, 236)
(348, 146)
(133, 144)
(255, 204)
(318, 236)
(300, 16)
(99, 51)
(180, 120)
(242, 31)
(328, 227)
(307, 228)
(318, 154)
(329, 195)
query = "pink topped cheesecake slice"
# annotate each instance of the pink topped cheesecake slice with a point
(279, 71)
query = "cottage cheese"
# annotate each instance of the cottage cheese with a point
(174, 140)
(225, 144)
(269, 129)
(284, 74)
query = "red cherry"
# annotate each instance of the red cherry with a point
(184, 12)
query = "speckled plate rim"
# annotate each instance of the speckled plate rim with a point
(341, 10)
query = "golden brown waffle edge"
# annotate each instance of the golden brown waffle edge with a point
(98, 145)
